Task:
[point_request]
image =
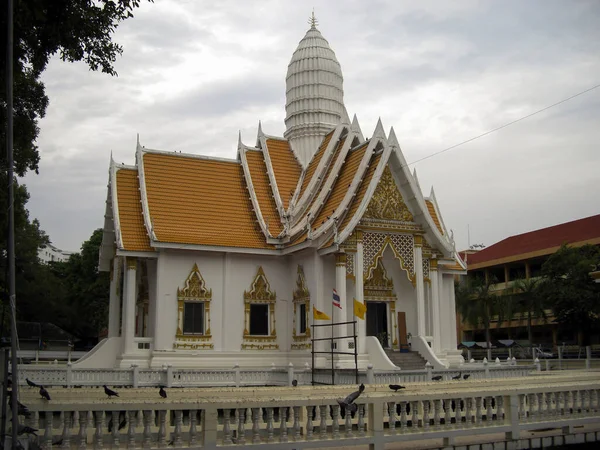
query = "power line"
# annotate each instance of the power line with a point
(505, 125)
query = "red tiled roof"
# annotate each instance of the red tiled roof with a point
(537, 243)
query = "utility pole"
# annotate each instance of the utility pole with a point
(11, 222)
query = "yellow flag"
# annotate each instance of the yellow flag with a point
(318, 315)
(359, 309)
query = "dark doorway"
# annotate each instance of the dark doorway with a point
(377, 321)
(259, 320)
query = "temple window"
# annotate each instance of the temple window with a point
(193, 313)
(301, 300)
(259, 315)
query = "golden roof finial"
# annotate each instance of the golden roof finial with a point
(312, 20)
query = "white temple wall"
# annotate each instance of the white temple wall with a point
(448, 317)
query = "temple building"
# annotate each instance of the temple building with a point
(216, 262)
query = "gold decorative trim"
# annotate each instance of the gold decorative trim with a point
(131, 263)
(388, 242)
(301, 296)
(340, 259)
(194, 291)
(387, 202)
(383, 225)
(433, 264)
(359, 235)
(260, 294)
(418, 240)
(379, 288)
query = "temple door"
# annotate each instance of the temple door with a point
(402, 339)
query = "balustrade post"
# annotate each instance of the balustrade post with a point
(209, 428)
(290, 374)
(429, 369)
(236, 368)
(560, 357)
(169, 375)
(69, 374)
(538, 366)
(370, 375)
(486, 368)
(588, 357)
(136, 375)
(48, 430)
(511, 411)
(547, 365)
(375, 421)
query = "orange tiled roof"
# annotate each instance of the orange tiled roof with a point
(341, 185)
(286, 168)
(434, 215)
(314, 162)
(336, 153)
(262, 189)
(133, 232)
(200, 201)
(362, 189)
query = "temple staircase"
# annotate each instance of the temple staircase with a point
(406, 360)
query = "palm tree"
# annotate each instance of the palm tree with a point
(531, 303)
(477, 304)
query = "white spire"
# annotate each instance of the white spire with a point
(314, 94)
(416, 178)
(379, 131)
(392, 139)
(356, 128)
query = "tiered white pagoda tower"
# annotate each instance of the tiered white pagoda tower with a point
(216, 261)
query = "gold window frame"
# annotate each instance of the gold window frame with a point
(260, 294)
(301, 296)
(194, 291)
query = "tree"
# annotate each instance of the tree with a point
(477, 304)
(570, 290)
(77, 30)
(531, 303)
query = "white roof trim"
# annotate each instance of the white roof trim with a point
(190, 155)
(272, 178)
(252, 192)
(137, 254)
(115, 203)
(214, 248)
(139, 156)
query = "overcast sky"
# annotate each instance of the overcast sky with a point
(193, 73)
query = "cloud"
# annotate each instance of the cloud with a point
(193, 74)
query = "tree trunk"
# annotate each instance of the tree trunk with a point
(488, 340)
(530, 334)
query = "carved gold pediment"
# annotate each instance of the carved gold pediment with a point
(301, 291)
(260, 289)
(387, 202)
(378, 284)
(194, 287)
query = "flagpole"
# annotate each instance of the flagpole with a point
(11, 222)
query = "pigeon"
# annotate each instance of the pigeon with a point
(457, 377)
(122, 422)
(110, 392)
(436, 378)
(31, 383)
(466, 375)
(348, 402)
(294, 383)
(25, 429)
(162, 392)
(395, 387)
(44, 393)
(22, 410)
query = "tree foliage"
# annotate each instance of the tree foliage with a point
(530, 303)
(574, 296)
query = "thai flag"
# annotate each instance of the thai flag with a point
(336, 299)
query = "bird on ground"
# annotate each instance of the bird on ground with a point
(457, 377)
(395, 387)
(44, 393)
(294, 383)
(25, 429)
(109, 392)
(31, 383)
(466, 375)
(436, 378)
(348, 402)
(22, 410)
(162, 392)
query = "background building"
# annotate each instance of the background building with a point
(49, 253)
(521, 257)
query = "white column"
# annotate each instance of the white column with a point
(129, 304)
(114, 315)
(340, 287)
(361, 326)
(435, 305)
(420, 290)
(453, 339)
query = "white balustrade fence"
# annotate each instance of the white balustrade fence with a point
(282, 376)
(308, 417)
